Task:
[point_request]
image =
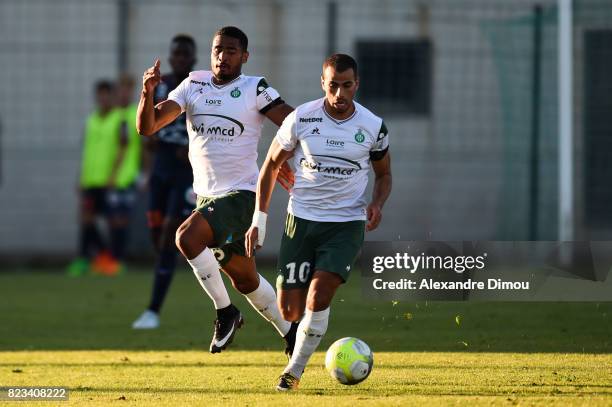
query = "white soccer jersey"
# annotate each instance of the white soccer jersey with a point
(224, 125)
(332, 159)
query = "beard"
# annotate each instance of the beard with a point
(227, 75)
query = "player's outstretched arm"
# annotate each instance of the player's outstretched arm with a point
(151, 118)
(381, 191)
(265, 185)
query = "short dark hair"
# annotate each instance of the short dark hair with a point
(104, 85)
(186, 39)
(341, 62)
(234, 32)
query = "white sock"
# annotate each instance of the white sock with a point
(263, 299)
(206, 269)
(309, 333)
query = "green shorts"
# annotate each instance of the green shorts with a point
(229, 217)
(308, 245)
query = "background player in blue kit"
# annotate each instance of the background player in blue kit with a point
(171, 196)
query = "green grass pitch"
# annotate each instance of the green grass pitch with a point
(57, 331)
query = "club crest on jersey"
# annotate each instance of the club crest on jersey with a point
(235, 93)
(359, 136)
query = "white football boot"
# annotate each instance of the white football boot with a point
(148, 320)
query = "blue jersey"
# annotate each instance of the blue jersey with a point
(172, 140)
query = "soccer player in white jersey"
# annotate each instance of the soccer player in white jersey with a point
(333, 141)
(225, 113)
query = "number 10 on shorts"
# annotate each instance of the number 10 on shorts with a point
(303, 272)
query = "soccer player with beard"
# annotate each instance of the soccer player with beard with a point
(171, 196)
(225, 113)
(333, 142)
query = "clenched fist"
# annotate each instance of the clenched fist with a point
(151, 77)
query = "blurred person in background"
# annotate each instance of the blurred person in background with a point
(171, 196)
(109, 169)
(100, 126)
(121, 185)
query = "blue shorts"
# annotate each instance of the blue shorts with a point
(120, 202)
(109, 202)
(170, 196)
(93, 200)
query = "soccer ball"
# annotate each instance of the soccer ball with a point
(349, 360)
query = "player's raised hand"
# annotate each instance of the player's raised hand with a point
(374, 213)
(250, 240)
(286, 177)
(151, 77)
